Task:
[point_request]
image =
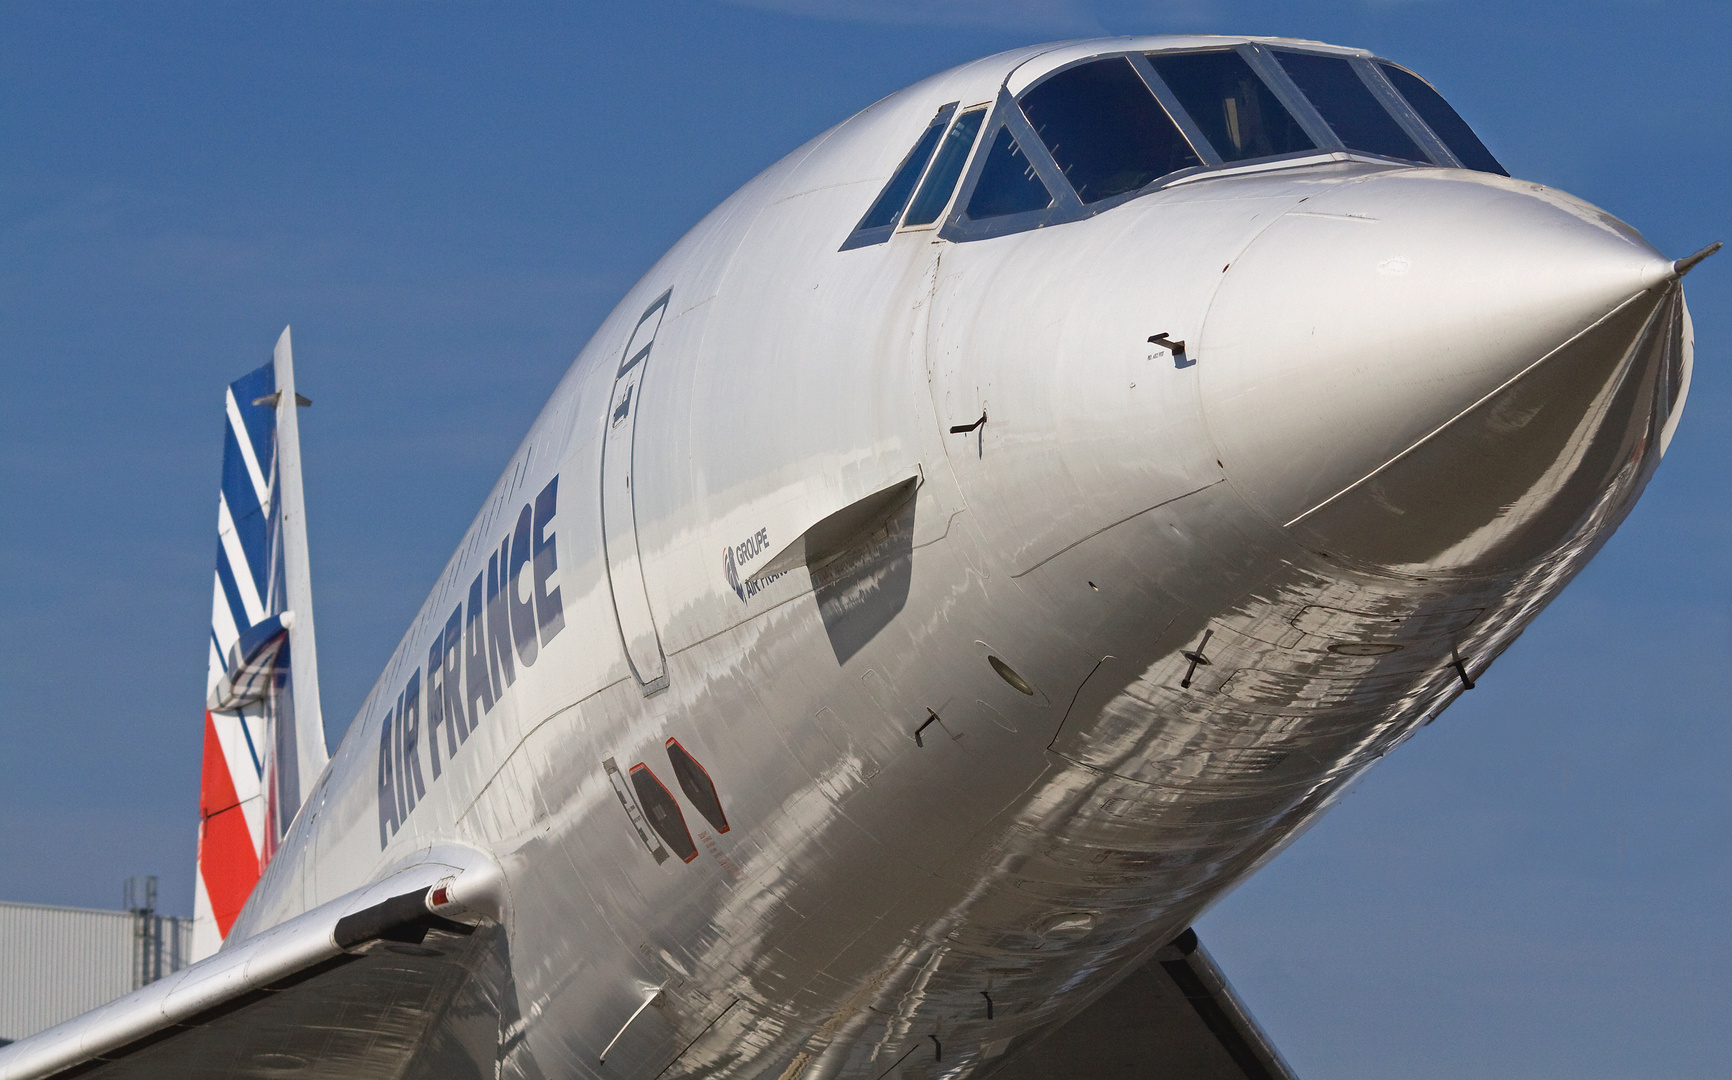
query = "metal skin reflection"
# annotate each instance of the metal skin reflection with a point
(1412, 403)
(1425, 467)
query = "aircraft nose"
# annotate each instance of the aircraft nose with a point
(1441, 372)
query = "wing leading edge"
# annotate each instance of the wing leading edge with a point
(348, 987)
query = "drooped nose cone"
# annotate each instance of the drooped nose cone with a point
(1442, 372)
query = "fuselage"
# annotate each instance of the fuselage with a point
(1127, 613)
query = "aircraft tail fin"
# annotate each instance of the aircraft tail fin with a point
(264, 739)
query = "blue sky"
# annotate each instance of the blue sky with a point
(445, 199)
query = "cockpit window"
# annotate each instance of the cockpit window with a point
(941, 179)
(1086, 137)
(895, 194)
(1347, 105)
(880, 219)
(1008, 183)
(1444, 121)
(1241, 116)
(1105, 129)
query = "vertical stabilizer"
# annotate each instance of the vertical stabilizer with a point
(264, 743)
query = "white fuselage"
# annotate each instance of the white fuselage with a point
(1359, 448)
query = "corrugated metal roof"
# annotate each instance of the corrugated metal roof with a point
(58, 962)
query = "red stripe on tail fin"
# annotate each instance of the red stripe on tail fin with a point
(226, 860)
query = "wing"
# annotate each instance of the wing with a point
(347, 989)
(1175, 1016)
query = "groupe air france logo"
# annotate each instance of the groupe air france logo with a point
(732, 572)
(744, 552)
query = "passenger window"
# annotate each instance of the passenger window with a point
(1443, 121)
(1105, 129)
(1008, 183)
(1348, 106)
(1238, 114)
(894, 197)
(946, 168)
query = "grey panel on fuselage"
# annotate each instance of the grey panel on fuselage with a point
(866, 585)
(1174, 1018)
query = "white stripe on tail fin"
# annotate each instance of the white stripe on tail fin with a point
(264, 738)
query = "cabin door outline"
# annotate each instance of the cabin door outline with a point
(638, 631)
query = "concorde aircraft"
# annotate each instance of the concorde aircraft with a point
(986, 538)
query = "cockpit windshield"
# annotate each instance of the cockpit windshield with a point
(1008, 182)
(1105, 129)
(886, 210)
(1090, 134)
(1444, 121)
(894, 197)
(1347, 104)
(934, 194)
(1238, 113)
